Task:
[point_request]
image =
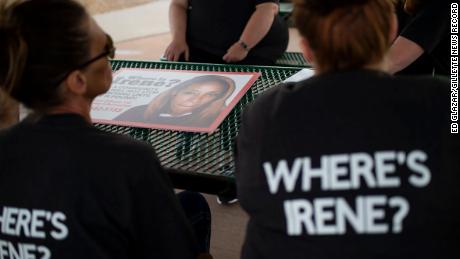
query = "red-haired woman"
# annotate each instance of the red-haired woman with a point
(353, 162)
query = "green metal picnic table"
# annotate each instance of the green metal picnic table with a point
(200, 161)
(292, 59)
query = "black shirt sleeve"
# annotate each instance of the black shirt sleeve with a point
(428, 27)
(247, 151)
(250, 148)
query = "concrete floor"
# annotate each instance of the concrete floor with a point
(102, 6)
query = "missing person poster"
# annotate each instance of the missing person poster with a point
(195, 101)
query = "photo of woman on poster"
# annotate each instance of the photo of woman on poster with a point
(193, 103)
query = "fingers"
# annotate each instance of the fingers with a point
(166, 54)
(172, 55)
(234, 54)
(169, 54)
(187, 54)
(174, 52)
(226, 58)
(175, 56)
(231, 57)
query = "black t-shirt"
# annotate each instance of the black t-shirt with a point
(356, 164)
(69, 190)
(213, 26)
(429, 28)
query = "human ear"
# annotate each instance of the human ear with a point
(307, 51)
(76, 83)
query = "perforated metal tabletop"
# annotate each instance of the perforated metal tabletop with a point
(199, 161)
(292, 59)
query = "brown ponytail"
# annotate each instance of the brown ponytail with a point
(42, 40)
(13, 51)
(345, 34)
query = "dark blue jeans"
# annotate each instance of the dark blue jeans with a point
(197, 210)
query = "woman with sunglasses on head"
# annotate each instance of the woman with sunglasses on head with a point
(352, 162)
(68, 190)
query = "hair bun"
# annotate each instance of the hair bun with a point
(327, 6)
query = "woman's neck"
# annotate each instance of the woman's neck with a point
(77, 106)
(379, 66)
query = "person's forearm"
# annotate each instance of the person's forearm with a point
(178, 19)
(402, 53)
(259, 24)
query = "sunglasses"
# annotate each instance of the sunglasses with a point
(109, 52)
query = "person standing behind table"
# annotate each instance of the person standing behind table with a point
(222, 31)
(67, 189)
(424, 41)
(353, 162)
